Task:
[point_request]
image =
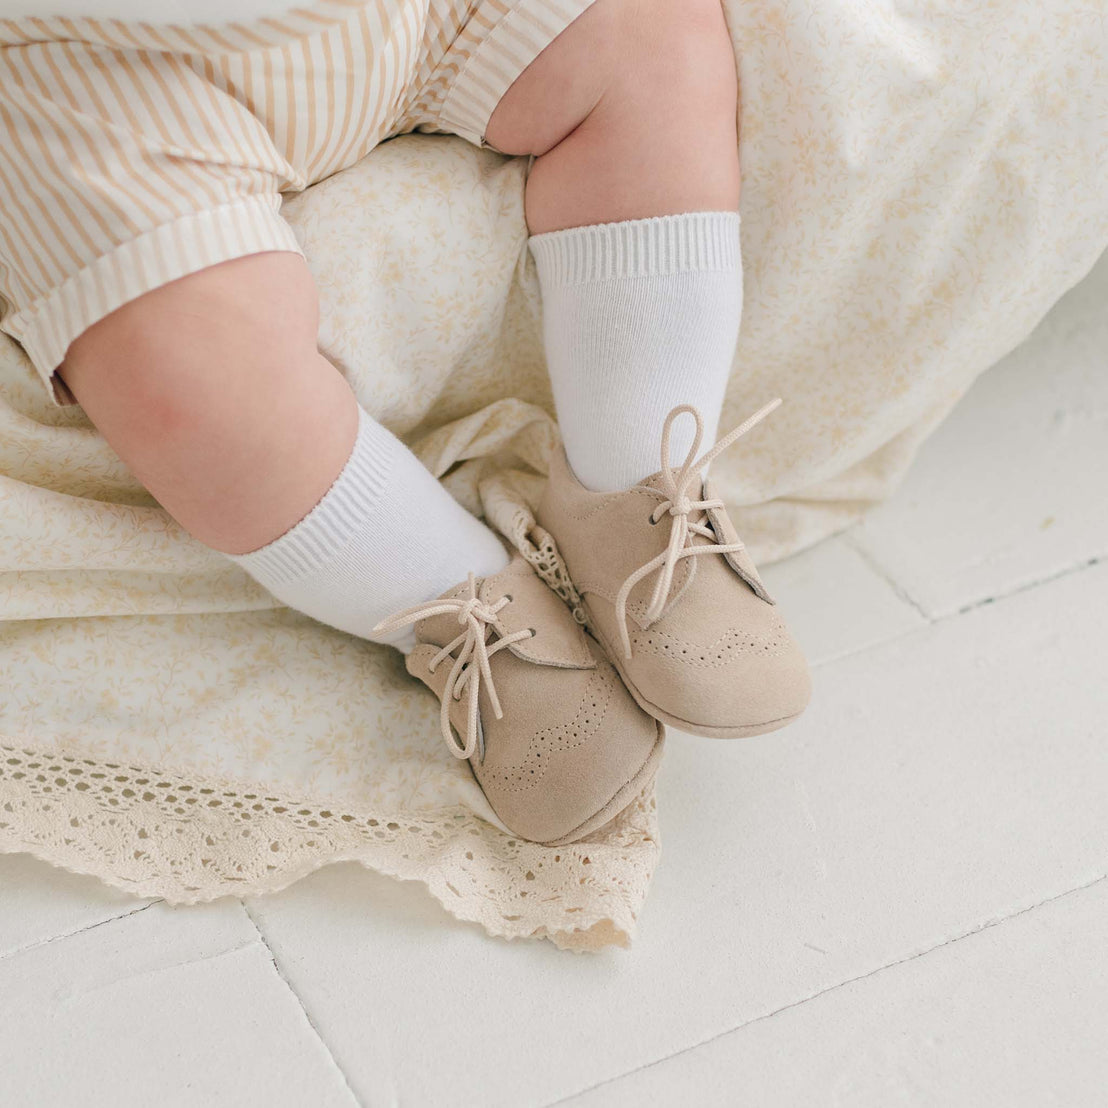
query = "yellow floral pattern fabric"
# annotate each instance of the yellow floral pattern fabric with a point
(920, 185)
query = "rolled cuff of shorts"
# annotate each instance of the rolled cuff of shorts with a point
(518, 37)
(187, 245)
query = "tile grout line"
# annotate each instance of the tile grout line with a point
(886, 575)
(978, 929)
(944, 617)
(300, 1003)
(79, 931)
(1076, 567)
(934, 620)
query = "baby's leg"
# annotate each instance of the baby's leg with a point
(212, 390)
(631, 113)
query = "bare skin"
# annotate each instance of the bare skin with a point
(213, 392)
(212, 389)
(630, 113)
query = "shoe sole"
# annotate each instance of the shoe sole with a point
(620, 799)
(703, 730)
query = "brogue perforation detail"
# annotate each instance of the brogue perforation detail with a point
(548, 742)
(735, 643)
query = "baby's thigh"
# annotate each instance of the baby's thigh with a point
(241, 329)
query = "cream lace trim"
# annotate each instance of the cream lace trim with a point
(188, 839)
(506, 510)
(185, 837)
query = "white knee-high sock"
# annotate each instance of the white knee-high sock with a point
(385, 535)
(638, 316)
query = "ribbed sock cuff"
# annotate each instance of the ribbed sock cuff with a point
(326, 529)
(702, 241)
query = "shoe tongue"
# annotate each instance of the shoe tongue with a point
(558, 641)
(740, 561)
(717, 520)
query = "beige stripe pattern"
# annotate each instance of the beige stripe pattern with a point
(134, 154)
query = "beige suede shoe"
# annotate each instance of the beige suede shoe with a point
(553, 738)
(680, 610)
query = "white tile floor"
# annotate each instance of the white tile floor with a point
(901, 899)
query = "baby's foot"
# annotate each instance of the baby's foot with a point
(551, 734)
(670, 591)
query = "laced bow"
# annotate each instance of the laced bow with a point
(471, 666)
(679, 506)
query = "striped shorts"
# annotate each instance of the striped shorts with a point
(132, 154)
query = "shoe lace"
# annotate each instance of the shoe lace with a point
(680, 507)
(471, 666)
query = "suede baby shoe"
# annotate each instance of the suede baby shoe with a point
(669, 590)
(552, 736)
